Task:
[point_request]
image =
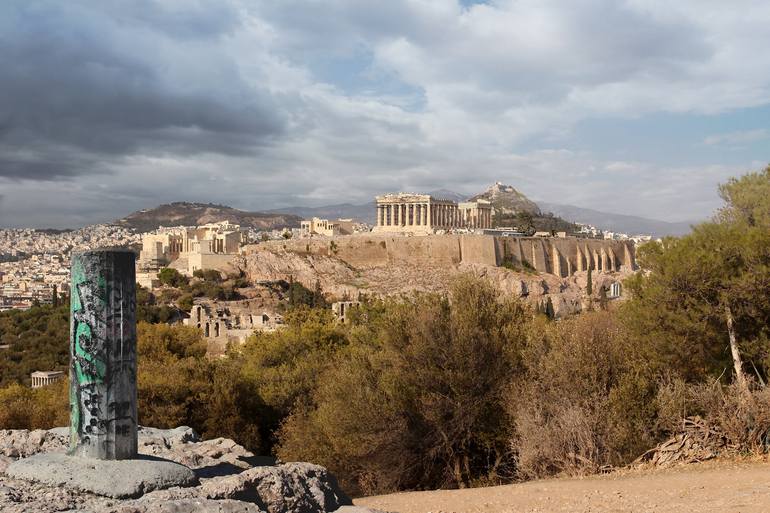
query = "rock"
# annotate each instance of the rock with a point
(188, 506)
(288, 488)
(20, 443)
(357, 509)
(111, 478)
(217, 455)
(4, 462)
(9, 494)
(166, 438)
(233, 480)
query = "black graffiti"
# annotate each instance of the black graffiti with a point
(103, 350)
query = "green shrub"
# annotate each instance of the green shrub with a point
(172, 278)
(416, 400)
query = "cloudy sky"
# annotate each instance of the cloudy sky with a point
(638, 106)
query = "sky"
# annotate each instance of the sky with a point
(637, 107)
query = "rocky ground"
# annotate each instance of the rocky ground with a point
(715, 486)
(230, 479)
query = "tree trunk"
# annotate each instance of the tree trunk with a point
(740, 378)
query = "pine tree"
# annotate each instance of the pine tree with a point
(603, 301)
(549, 311)
(590, 285)
(55, 297)
(318, 297)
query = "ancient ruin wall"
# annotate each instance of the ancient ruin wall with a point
(561, 257)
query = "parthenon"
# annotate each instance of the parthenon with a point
(422, 213)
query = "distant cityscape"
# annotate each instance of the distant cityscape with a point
(35, 264)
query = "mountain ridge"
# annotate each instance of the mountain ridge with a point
(192, 213)
(608, 221)
(185, 213)
(507, 200)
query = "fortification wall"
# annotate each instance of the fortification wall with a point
(564, 257)
(561, 257)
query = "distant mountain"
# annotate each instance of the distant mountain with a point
(631, 225)
(362, 213)
(511, 200)
(504, 195)
(191, 214)
(508, 200)
(449, 195)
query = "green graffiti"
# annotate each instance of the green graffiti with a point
(83, 331)
(88, 367)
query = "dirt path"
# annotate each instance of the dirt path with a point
(719, 486)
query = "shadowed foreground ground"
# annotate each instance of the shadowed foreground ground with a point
(714, 486)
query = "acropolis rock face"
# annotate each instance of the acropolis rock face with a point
(390, 265)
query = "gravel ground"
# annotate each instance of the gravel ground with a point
(723, 486)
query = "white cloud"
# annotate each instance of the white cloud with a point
(257, 97)
(737, 138)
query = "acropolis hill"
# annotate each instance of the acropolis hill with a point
(418, 243)
(561, 257)
(537, 269)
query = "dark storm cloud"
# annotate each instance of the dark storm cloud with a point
(81, 84)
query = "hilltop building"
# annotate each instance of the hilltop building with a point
(210, 246)
(44, 378)
(423, 214)
(476, 214)
(318, 226)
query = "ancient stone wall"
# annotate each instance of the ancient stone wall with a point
(561, 257)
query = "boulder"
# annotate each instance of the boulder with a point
(21, 443)
(40, 478)
(288, 488)
(110, 478)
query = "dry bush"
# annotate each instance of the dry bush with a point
(564, 439)
(743, 421)
(39, 408)
(582, 403)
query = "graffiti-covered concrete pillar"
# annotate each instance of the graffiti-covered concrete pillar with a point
(103, 421)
